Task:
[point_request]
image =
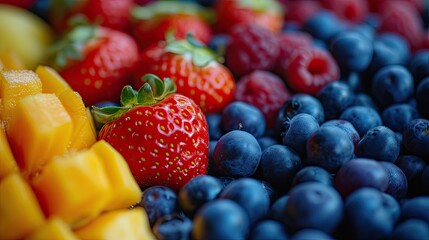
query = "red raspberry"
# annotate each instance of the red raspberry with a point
(301, 11)
(378, 5)
(251, 47)
(288, 43)
(424, 43)
(350, 10)
(265, 91)
(310, 69)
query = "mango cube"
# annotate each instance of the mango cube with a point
(73, 187)
(20, 213)
(52, 82)
(10, 60)
(7, 161)
(124, 187)
(55, 228)
(120, 224)
(40, 129)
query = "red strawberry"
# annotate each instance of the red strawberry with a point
(97, 62)
(193, 68)
(162, 135)
(266, 13)
(150, 23)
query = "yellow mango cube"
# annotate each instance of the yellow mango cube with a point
(52, 82)
(73, 187)
(40, 130)
(55, 228)
(9, 60)
(130, 224)
(7, 161)
(20, 213)
(125, 188)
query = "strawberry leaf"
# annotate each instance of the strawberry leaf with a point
(107, 114)
(128, 96)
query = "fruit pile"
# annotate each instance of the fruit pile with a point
(214, 119)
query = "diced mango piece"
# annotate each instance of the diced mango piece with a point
(40, 129)
(52, 82)
(127, 224)
(20, 213)
(73, 187)
(126, 191)
(55, 228)
(11, 61)
(7, 161)
(14, 85)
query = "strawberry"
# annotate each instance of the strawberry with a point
(150, 23)
(162, 135)
(266, 13)
(97, 62)
(194, 69)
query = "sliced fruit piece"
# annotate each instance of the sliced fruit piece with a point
(73, 187)
(20, 213)
(87, 135)
(40, 129)
(9, 60)
(125, 188)
(7, 161)
(120, 224)
(55, 228)
(52, 82)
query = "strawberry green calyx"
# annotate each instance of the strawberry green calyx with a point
(153, 91)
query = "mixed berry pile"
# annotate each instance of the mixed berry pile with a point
(292, 119)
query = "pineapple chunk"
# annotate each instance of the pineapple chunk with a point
(73, 187)
(7, 161)
(52, 82)
(125, 188)
(40, 129)
(55, 228)
(120, 224)
(20, 214)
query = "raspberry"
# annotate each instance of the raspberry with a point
(265, 91)
(288, 43)
(351, 10)
(301, 11)
(251, 48)
(310, 69)
(377, 5)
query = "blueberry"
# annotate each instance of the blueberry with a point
(366, 30)
(359, 173)
(308, 234)
(391, 205)
(417, 207)
(210, 168)
(158, 201)
(422, 98)
(329, 147)
(384, 55)
(173, 227)
(335, 98)
(353, 81)
(266, 141)
(352, 50)
(218, 43)
(363, 99)
(213, 122)
(379, 143)
(413, 167)
(313, 174)
(392, 84)
(396, 116)
(298, 130)
(323, 25)
(396, 42)
(268, 229)
(278, 209)
(425, 179)
(279, 164)
(220, 219)
(418, 65)
(197, 192)
(225, 180)
(398, 185)
(237, 154)
(243, 116)
(250, 195)
(411, 229)
(272, 193)
(366, 216)
(314, 205)
(363, 118)
(416, 137)
(348, 128)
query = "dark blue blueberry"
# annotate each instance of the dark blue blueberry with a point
(418, 65)
(213, 122)
(363, 99)
(197, 192)
(298, 130)
(335, 98)
(210, 169)
(313, 174)
(218, 43)
(243, 116)
(220, 219)
(225, 180)
(379, 143)
(107, 104)
(396, 116)
(416, 137)
(398, 185)
(353, 81)
(413, 167)
(417, 207)
(366, 30)
(359, 173)
(392, 84)
(363, 118)
(265, 142)
(278, 209)
(173, 227)
(425, 180)
(279, 164)
(268, 229)
(348, 128)
(41, 8)
(411, 229)
(323, 25)
(317, 43)
(352, 50)
(291, 26)
(366, 216)
(373, 20)
(422, 98)
(250, 195)
(392, 206)
(396, 42)
(237, 154)
(329, 147)
(308, 234)
(314, 205)
(272, 193)
(158, 201)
